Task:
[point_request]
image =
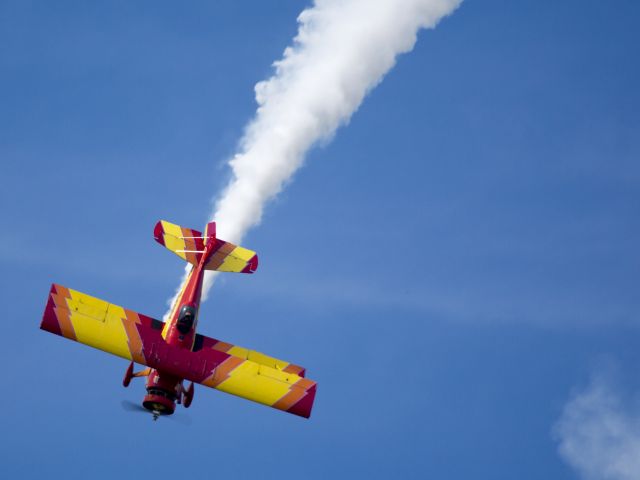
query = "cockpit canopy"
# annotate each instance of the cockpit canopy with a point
(186, 318)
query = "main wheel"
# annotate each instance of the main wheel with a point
(128, 375)
(188, 396)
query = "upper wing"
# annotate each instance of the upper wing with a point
(213, 363)
(96, 323)
(258, 377)
(202, 342)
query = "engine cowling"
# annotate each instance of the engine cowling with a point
(159, 401)
(161, 393)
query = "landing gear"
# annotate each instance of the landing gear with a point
(128, 376)
(187, 396)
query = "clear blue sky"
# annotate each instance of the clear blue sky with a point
(449, 269)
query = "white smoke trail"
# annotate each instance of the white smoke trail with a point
(342, 50)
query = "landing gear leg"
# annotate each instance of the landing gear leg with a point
(187, 396)
(128, 375)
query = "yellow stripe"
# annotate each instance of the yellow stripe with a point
(98, 323)
(236, 261)
(258, 383)
(171, 229)
(263, 359)
(86, 305)
(257, 357)
(174, 244)
(238, 352)
(116, 311)
(109, 335)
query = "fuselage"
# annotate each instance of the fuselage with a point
(164, 390)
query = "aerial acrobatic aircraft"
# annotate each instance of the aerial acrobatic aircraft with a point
(172, 351)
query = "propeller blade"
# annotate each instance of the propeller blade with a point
(137, 408)
(130, 406)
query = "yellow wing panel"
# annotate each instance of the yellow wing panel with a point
(262, 384)
(247, 382)
(94, 322)
(258, 377)
(203, 342)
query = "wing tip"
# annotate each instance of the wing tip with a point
(158, 233)
(50, 321)
(252, 265)
(303, 407)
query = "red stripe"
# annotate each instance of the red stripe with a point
(49, 320)
(304, 406)
(158, 233)
(252, 265)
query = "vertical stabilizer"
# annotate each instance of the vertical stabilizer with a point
(210, 232)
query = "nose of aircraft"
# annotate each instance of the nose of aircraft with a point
(159, 401)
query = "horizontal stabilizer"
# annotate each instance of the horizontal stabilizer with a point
(190, 245)
(227, 257)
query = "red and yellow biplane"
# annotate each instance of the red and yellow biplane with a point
(172, 351)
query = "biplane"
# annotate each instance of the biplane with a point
(172, 352)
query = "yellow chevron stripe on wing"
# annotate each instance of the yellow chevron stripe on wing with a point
(258, 383)
(294, 395)
(263, 384)
(109, 336)
(202, 341)
(85, 305)
(95, 322)
(257, 357)
(98, 324)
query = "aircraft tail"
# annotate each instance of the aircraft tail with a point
(190, 245)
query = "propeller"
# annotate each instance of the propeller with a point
(133, 407)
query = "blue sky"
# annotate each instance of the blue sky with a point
(452, 268)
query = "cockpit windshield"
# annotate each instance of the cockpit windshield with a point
(186, 318)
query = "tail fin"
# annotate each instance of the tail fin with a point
(190, 245)
(210, 231)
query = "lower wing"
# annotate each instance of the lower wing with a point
(216, 364)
